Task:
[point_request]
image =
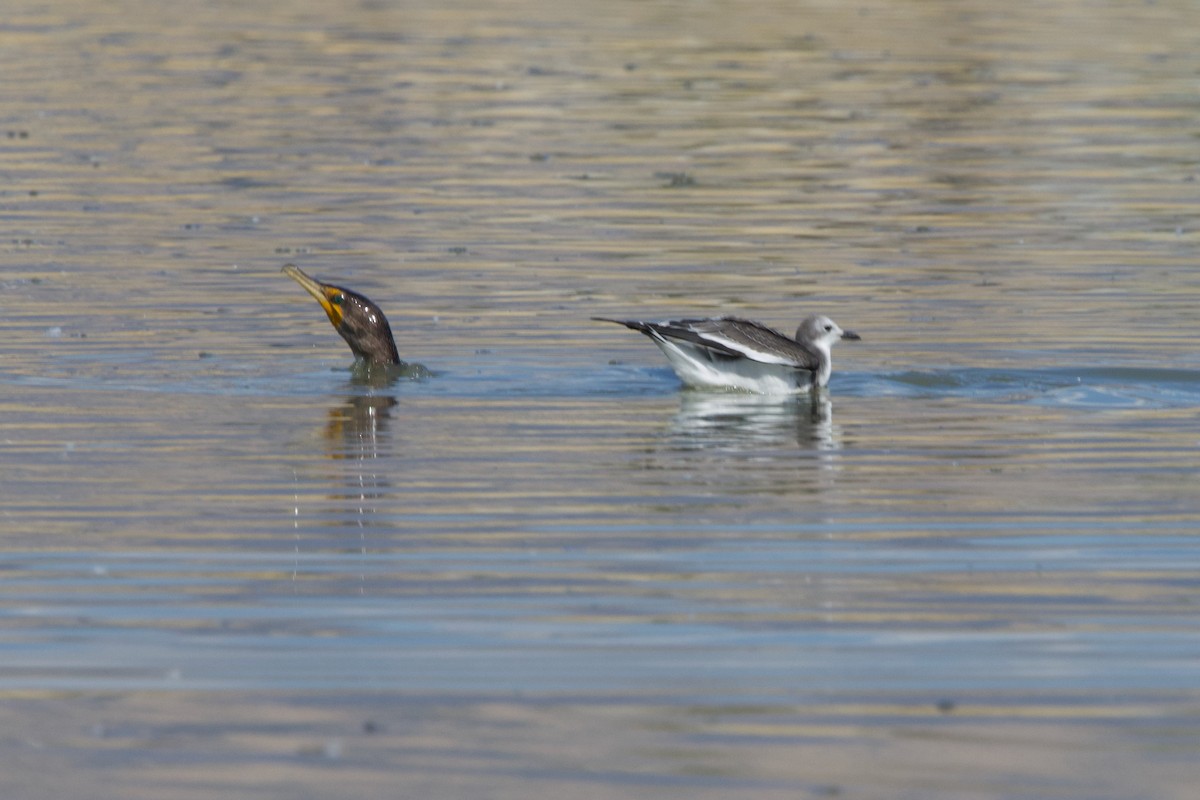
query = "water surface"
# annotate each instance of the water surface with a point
(232, 568)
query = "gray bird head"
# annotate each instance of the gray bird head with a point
(822, 332)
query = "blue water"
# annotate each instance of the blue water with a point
(231, 568)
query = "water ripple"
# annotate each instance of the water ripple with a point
(1084, 388)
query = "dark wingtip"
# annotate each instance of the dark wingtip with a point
(632, 324)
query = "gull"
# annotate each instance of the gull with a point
(737, 354)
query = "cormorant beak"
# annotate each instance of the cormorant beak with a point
(330, 297)
(845, 334)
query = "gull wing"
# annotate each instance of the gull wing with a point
(731, 337)
(741, 337)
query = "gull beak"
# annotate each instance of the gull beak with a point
(851, 335)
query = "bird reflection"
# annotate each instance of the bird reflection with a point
(355, 428)
(354, 433)
(359, 442)
(710, 419)
(357, 435)
(740, 444)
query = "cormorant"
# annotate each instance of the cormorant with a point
(357, 319)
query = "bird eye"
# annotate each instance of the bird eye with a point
(338, 299)
(828, 328)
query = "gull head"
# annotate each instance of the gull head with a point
(821, 332)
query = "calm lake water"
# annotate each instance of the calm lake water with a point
(232, 570)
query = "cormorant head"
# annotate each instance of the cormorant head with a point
(356, 318)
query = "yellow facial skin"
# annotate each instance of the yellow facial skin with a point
(357, 320)
(330, 297)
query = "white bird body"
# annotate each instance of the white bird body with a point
(736, 354)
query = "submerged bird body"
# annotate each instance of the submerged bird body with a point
(359, 321)
(741, 355)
